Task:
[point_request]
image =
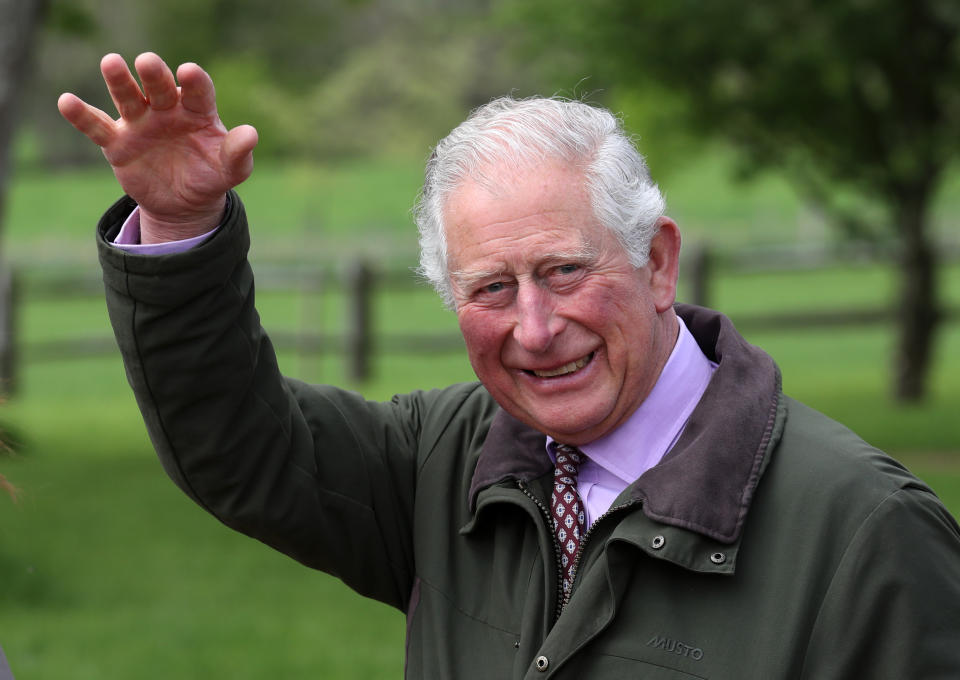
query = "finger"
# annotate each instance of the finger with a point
(196, 89)
(158, 84)
(236, 153)
(123, 89)
(91, 121)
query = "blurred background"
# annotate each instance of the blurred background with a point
(808, 149)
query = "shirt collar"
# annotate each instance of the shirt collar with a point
(646, 436)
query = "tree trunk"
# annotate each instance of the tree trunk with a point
(19, 20)
(919, 312)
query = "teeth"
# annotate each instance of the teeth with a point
(563, 370)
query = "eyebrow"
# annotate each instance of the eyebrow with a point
(466, 279)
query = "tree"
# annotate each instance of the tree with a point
(856, 94)
(18, 23)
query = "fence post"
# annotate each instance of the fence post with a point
(359, 344)
(700, 263)
(8, 335)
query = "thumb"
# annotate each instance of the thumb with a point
(236, 153)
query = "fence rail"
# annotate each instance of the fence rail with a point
(360, 284)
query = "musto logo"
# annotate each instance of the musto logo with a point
(675, 647)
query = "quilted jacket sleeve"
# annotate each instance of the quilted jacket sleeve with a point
(316, 472)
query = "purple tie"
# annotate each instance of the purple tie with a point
(568, 519)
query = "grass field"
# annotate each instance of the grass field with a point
(107, 571)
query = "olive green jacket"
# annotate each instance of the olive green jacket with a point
(769, 543)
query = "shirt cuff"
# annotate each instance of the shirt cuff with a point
(129, 239)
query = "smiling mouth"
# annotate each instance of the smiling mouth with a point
(566, 369)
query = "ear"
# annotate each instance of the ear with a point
(664, 263)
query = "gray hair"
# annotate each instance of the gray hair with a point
(523, 133)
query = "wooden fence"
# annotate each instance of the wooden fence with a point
(360, 283)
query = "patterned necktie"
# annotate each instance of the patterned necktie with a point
(568, 518)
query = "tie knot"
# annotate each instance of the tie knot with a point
(568, 462)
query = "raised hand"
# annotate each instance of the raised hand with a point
(169, 149)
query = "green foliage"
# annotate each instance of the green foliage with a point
(297, 43)
(865, 93)
(247, 93)
(404, 84)
(380, 103)
(7, 487)
(326, 78)
(69, 19)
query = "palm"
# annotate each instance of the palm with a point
(168, 149)
(169, 161)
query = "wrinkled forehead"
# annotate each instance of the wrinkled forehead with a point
(515, 179)
(506, 190)
(539, 210)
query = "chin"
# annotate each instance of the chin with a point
(566, 430)
(565, 420)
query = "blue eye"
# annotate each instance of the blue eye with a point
(494, 287)
(568, 268)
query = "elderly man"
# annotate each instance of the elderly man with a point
(625, 493)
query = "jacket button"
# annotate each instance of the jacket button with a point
(657, 542)
(718, 558)
(542, 663)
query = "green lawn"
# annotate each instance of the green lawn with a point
(365, 206)
(108, 571)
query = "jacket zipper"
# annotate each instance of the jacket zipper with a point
(545, 511)
(563, 599)
(583, 542)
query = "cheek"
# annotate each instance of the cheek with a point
(606, 310)
(624, 318)
(482, 335)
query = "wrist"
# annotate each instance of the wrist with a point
(154, 229)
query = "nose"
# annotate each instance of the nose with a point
(537, 322)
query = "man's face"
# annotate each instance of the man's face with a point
(561, 329)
